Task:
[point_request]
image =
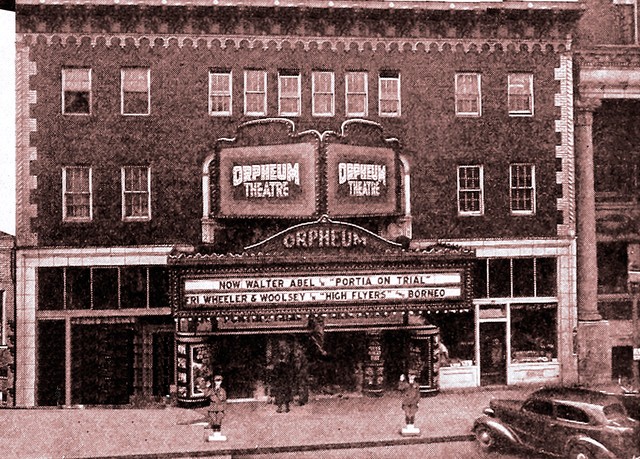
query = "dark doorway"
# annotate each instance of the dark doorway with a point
(163, 355)
(622, 363)
(241, 361)
(395, 352)
(51, 374)
(493, 350)
(102, 364)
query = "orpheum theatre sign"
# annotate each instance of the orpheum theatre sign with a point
(290, 290)
(283, 181)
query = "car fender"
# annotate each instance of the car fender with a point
(594, 445)
(502, 430)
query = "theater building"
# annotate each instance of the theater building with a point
(367, 188)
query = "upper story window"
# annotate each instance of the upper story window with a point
(289, 93)
(389, 94)
(255, 92)
(76, 194)
(468, 94)
(356, 94)
(136, 193)
(136, 91)
(323, 100)
(520, 94)
(522, 189)
(76, 91)
(470, 190)
(220, 93)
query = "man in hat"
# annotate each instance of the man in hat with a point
(410, 399)
(218, 402)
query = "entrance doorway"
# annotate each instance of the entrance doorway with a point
(493, 353)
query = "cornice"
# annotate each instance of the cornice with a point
(622, 57)
(307, 43)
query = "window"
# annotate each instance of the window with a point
(220, 93)
(356, 94)
(533, 332)
(289, 93)
(136, 94)
(520, 94)
(389, 94)
(76, 194)
(522, 189)
(470, 190)
(543, 407)
(255, 92)
(571, 413)
(323, 101)
(516, 277)
(136, 193)
(76, 91)
(613, 262)
(468, 97)
(104, 288)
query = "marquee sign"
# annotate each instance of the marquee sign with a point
(268, 181)
(212, 293)
(361, 180)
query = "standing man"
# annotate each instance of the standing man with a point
(218, 402)
(282, 383)
(410, 399)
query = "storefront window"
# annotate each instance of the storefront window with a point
(50, 289)
(457, 335)
(533, 333)
(500, 278)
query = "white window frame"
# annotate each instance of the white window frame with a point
(227, 93)
(122, 91)
(532, 189)
(298, 96)
(458, 94)
(65, 216)
(65, 89)
(350, 92)
(479, 190)
(315, 92)
(510, 94)
(384, 78)
(126, 193)
(248, 91)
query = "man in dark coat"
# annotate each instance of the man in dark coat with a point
(410, 399)
(282, 384)
(218, 403)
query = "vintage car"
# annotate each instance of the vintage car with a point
(566, 422)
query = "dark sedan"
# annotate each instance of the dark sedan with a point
(572, 423)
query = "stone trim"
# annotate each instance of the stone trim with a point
(26, 183)
(308, 43)
(565, 151)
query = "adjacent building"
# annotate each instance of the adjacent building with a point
(360, 188)
(607, 157)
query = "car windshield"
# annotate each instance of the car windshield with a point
(614, 411)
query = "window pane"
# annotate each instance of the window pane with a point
(105, 288)
(546, 279)
(457, 335)
(520, 97)
(76, 87)
(470, 191)
(77, 195)
(158, 287)
(136, 192)
(50, 289)
(78, 288)
(356, 93)
(467, 94)
(133, 281)
(220, 93)
(523, 277)
(533, 332)
(389, 96)
(499, 278)
(522, 188)
(135, 80)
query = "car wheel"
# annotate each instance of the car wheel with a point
(580, 452)
(486, 437)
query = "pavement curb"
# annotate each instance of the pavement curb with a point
(239, 452)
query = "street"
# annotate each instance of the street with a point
(452, 450)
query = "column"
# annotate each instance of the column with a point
(594, 348)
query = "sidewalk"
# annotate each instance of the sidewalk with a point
(251, 427)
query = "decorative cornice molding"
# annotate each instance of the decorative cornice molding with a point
(307, 43)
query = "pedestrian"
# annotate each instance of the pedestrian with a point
(301, 375)
(410, 400)
(217, 405)
(282, 383)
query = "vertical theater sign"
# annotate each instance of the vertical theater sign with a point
(355, 302)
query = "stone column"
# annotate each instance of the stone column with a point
(594, 348)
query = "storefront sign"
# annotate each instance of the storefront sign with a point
(268, 180)
(419, 287)
(361, 180)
